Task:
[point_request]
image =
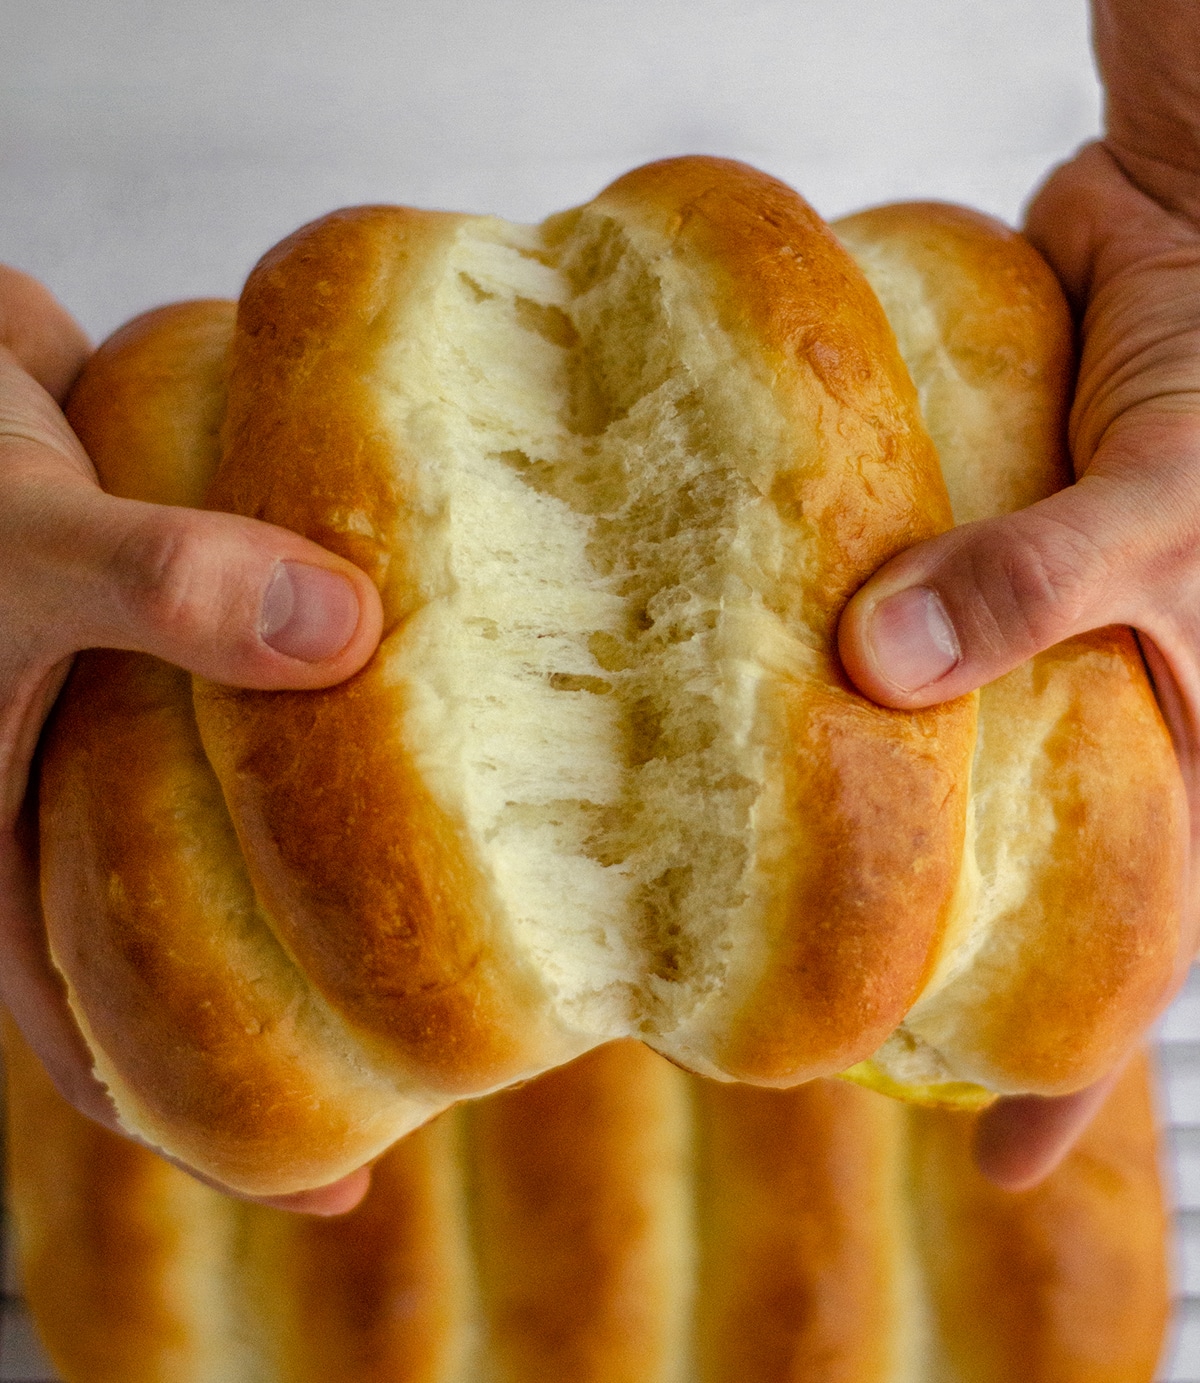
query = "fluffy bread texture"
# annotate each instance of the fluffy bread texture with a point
(616, 1221)
(615, 477)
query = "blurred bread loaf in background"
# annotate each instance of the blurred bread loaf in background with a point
(616, 1221)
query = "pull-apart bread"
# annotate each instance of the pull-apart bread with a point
(615, 1221)
(615, 477)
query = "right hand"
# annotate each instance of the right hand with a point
(1120, 546)
(231, 599)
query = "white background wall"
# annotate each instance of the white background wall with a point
(152, 149)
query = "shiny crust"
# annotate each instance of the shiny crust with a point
(149, 923)
(152, 400)
(866, 890)
(561, 1231)
(385, 1293)
(582, 1221)
(106, 1231)
(800, 1240)
(1083, 950)
(1092, 951)
(994, 309)
(1067, 1282)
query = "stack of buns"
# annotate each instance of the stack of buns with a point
(616, 1221)
(615, 477)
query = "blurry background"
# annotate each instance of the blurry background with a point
(153, 149)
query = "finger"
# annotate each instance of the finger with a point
(1060, 219)
(335, 1199)
(232, 599)
(42, 335)
(1022, 1138)
(953, 613)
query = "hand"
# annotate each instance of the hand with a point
(235, 600)
(1120, 546)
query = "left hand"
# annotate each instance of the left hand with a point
(80, 569)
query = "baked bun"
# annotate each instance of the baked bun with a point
(615, 478)
(616, 1221)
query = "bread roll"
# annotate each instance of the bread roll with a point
(615, 477)
(616, 1221)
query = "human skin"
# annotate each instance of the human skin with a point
(1120, 225)
(232, 599)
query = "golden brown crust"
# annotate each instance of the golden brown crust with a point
(382, 1295)
(202, 1029)
(866, 891)
(368, 881)
(1000, 316)
(150, 403)
(309, 321)
(1091, 956)
(100, 1224)
(798, 1239)
(371, 886)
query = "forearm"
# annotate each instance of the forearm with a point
(1149, 57)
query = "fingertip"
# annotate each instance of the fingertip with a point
(1003, 1153)
(326, 619)
(319, 616)
(309, 613)
(338, 1198)
(1021, 1139)
(897, 644)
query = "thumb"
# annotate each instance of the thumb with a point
(232, 599)
(962, 609)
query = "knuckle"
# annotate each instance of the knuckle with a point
(164, 576)
(1037, 583)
